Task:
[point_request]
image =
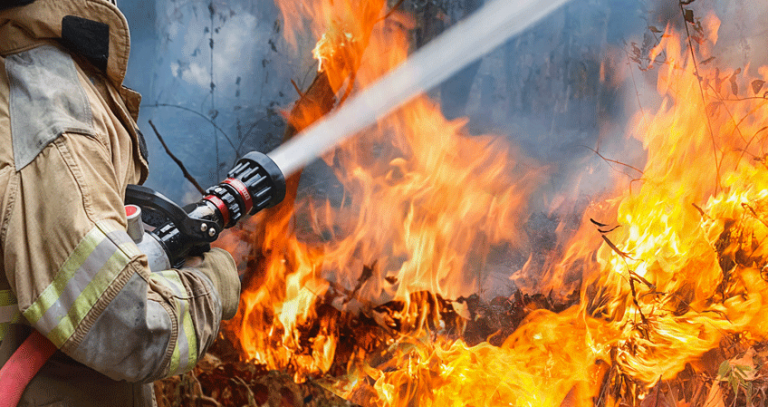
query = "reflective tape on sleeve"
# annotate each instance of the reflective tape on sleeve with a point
(184, 356)
(9, 311)
(90, 269)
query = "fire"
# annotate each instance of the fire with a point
(666, 270)
(422, 203)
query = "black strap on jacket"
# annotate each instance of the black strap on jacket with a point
(6, 4)
(88, 38)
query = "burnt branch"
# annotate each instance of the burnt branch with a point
(178, 162)
(204, 117)
(688, 17)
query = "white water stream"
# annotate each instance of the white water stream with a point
(435, 62)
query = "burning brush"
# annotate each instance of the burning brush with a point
(667, 306)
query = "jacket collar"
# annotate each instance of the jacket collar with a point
(26, 27)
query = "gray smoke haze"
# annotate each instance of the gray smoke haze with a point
(541, 89)
(195, 64)
(560, 90)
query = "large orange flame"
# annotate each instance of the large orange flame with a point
(423, 204)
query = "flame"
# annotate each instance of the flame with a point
(676, 269)
(423, 202)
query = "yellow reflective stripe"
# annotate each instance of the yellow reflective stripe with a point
(7, 297)
(189, 330)
(88, 298)
(51, 293)
(162, 279)
(171, 279)
(16, 319)
(175, 360)
(184, 356)
(87, 273)
(9, 311)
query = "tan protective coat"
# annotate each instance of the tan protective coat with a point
(74, 190)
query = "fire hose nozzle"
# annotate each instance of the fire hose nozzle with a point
(255, 183)
(262, 177)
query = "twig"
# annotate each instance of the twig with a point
(212, 11)
(241, 382)
(736, 124)
(744, 151)
(615, 248)
(637, 93)
(350, 85)
(613, 161)
(178, 162)
(754, 213)
(364, 277)
(392, 10)
(247, 133)
(701, 91)
(701, 211)
(741, 99)
(201, 115)
(207, 401)
(296, 87)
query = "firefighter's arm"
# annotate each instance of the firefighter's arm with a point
(82, 282)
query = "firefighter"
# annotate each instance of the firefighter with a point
(68, 269)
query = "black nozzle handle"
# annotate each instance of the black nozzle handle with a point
(164, 210)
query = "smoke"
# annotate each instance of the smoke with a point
(564, 91)
(214, 76)
(560, 89)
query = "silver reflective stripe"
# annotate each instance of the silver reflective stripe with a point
(120, 237)
(93, 265)
(91, 268)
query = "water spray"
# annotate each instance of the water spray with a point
(432, 64)
(258, 181)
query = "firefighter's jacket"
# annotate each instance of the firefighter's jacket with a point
(69, 145)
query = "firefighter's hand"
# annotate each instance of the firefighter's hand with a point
(219, 266)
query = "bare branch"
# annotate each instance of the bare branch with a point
(612, 161)
(201, 115)
(178, 162)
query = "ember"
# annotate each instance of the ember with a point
(657, 299)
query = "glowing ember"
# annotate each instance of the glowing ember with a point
(424, 202)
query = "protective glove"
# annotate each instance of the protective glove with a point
(219, 266)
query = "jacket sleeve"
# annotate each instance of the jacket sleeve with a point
(82, 282)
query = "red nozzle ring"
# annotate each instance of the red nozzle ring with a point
(243, 191)
(221, 206)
